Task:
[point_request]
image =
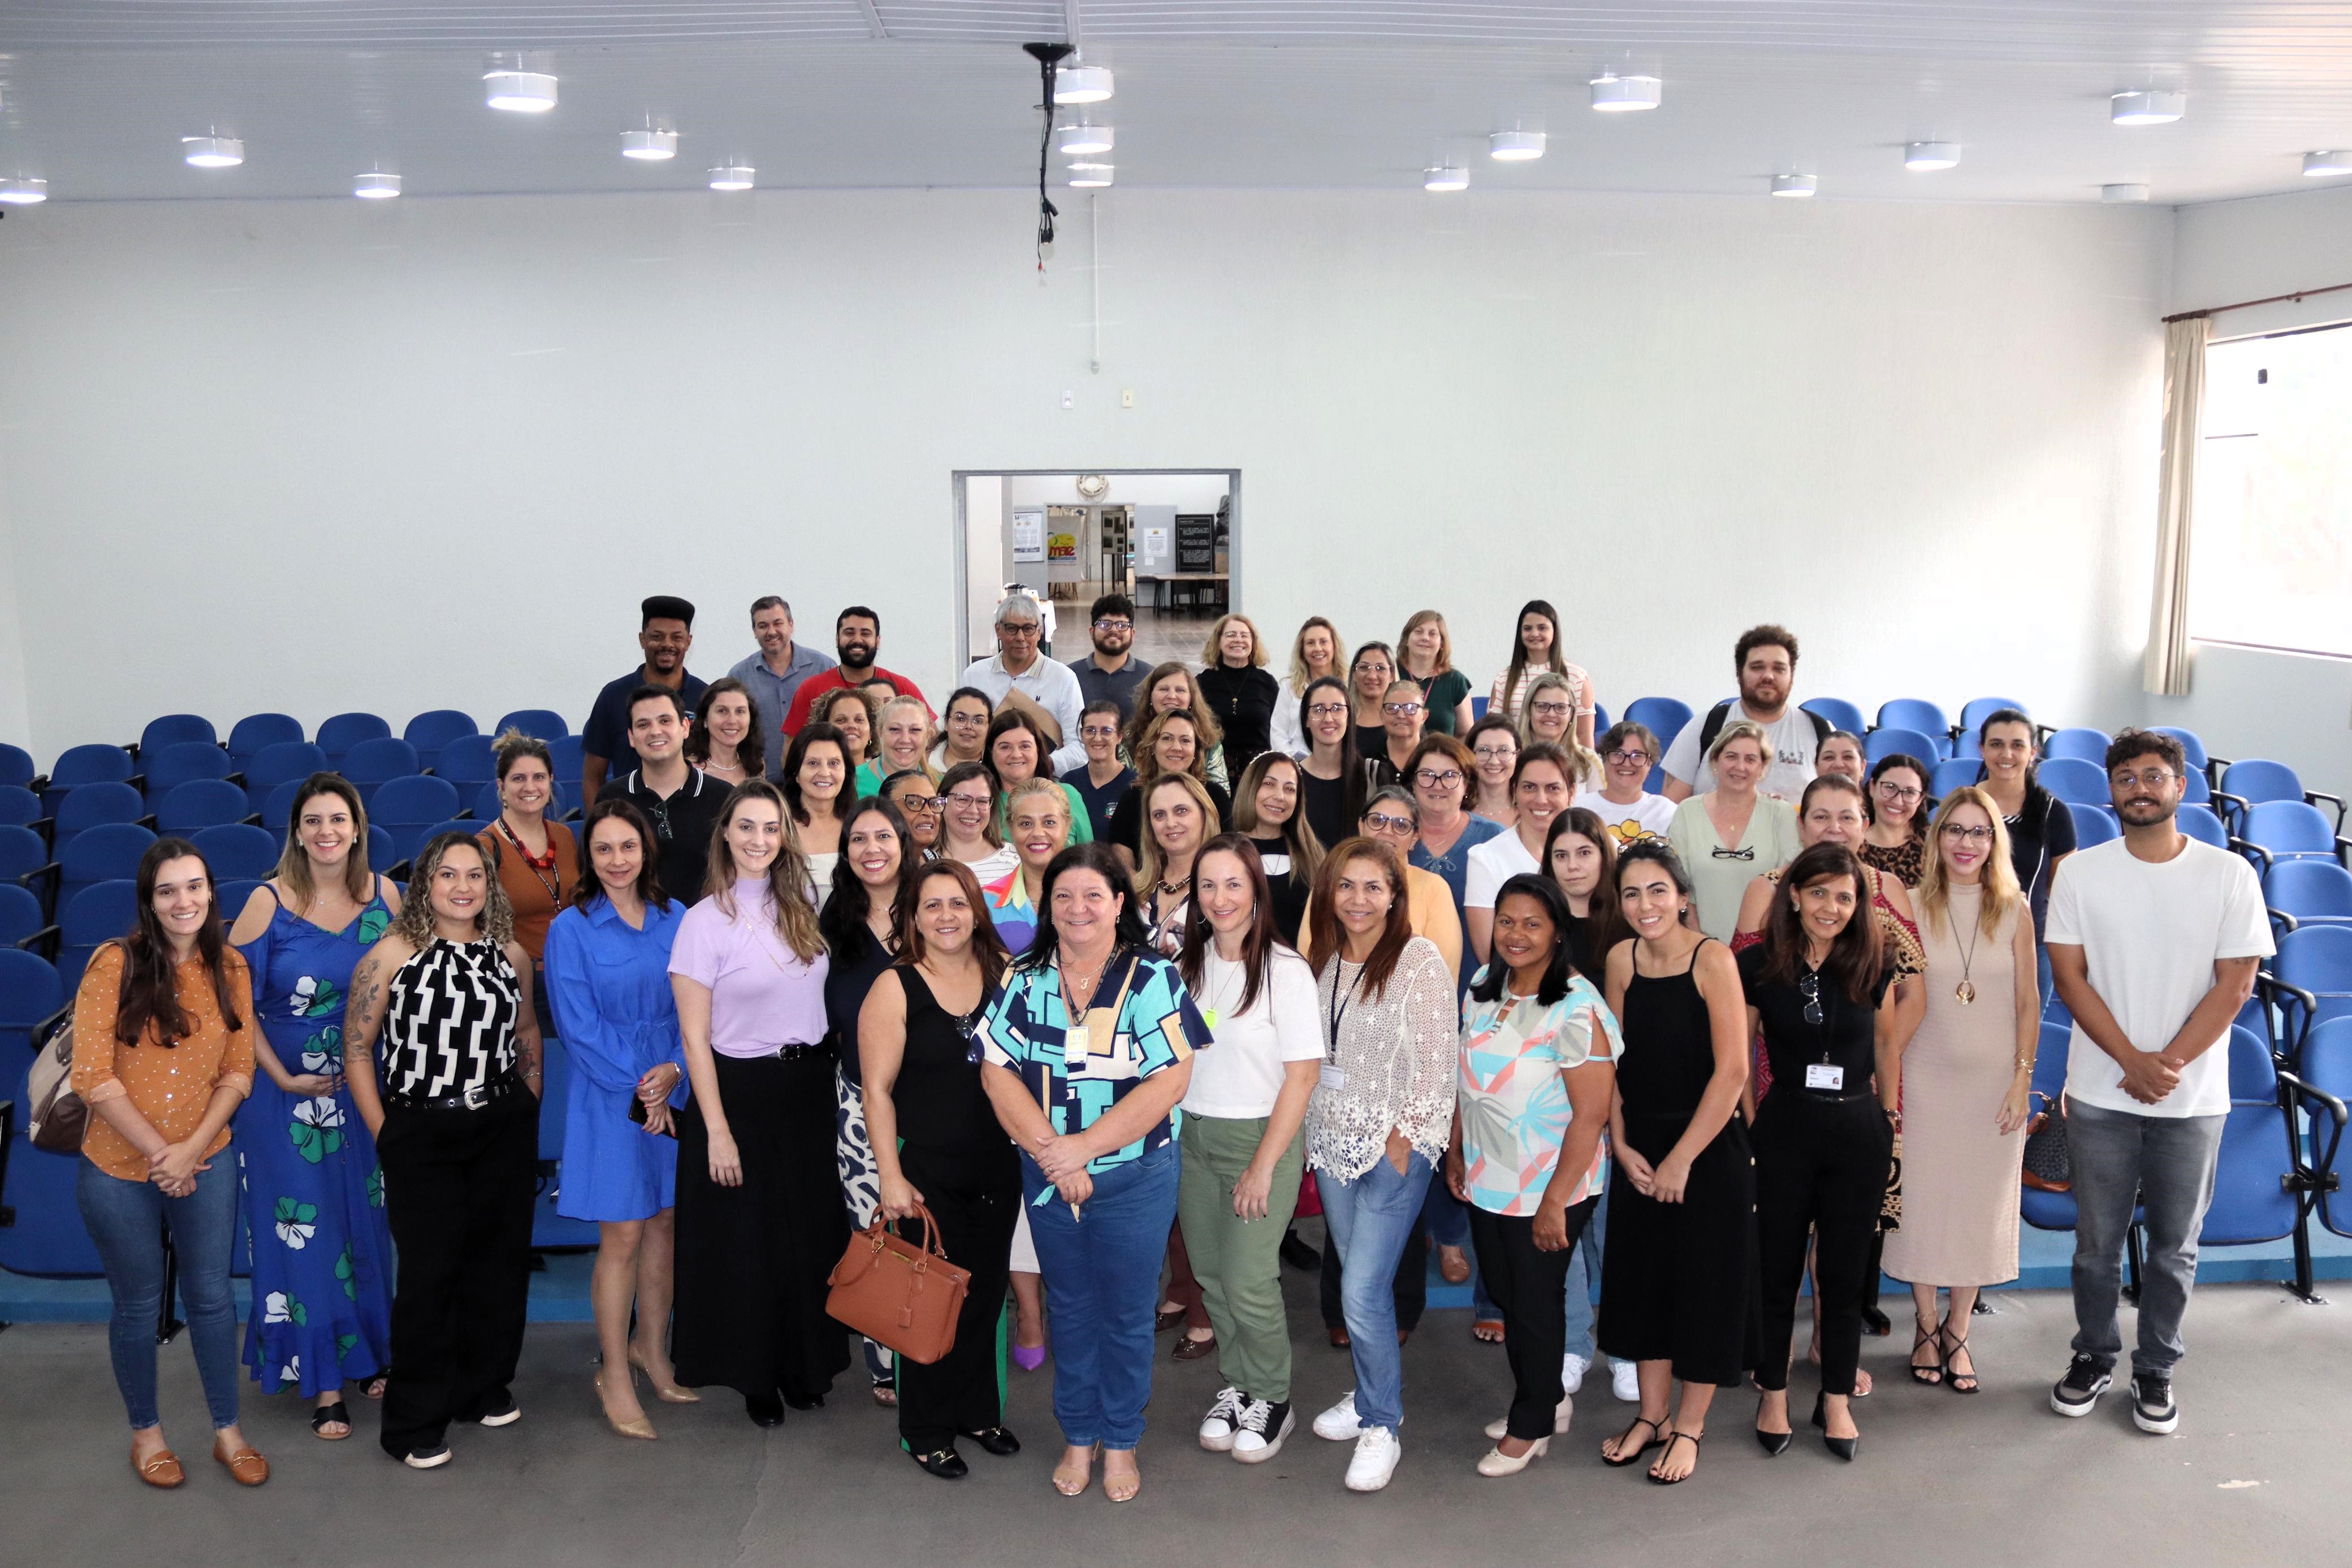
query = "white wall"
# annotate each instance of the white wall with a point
(2244, 702)
(316, 456)
(1185, 492)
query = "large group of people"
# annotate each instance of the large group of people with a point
(1103, 974)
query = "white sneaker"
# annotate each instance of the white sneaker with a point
(1571, 1371)
(1625, 1382)
(1499, 1429)
(1338, 1424)
(1217, 1426)
(1377, 1453)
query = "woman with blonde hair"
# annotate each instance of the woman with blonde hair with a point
(761, 1221)
(1171, 745)
(1727, 836)
(1180, 818)
(1966, 1074)
(1548, 714)
(903, 734)
(1315, 652)
(1425, 657)
(1039, 817)
(1168, 688)
(1237, 688)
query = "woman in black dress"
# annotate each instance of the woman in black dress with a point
(937, 1142)
(1820, 988)
(1680, 1257)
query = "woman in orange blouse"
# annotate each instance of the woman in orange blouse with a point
(163, 1057)
(536, 857)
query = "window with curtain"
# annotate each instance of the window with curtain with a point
(2272, 566)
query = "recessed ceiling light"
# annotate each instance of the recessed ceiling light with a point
(1613, 94)
(1921, 157)
(376, 186)
(518, 91)
(1080, 137)
(2318, 164)
(212, 151)
(1795, 184)
(2147, 106)
(1075, 83)
(18, 191)
(1090, 176)
(650, 146)
(1445, 177)
(1514, 146)
(2126, 192)
(732, 177)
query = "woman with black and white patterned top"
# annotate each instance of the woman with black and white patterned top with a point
(442, 1008)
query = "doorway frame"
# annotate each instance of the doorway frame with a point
(958, 521)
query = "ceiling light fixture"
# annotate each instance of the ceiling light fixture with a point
(1922, 157)
(1075, 83)
(732, 177)
(214, 151)
(1445, 177)
(18, 191)
(1085, 163)
(1795, 184)
(650, 146)
(1514, 146)
(2146, 106)
(1089, 176)
(376, 186)
(1613, 94)
(2319, 164)
(2126, 192)
(1080, 137)
(519, 91)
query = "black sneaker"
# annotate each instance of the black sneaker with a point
(1262, 1427)
(427, 1459)
(2152, 1406)
(2074, 1393)
(506, 1415)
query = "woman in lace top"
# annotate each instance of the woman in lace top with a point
(1378, 1119)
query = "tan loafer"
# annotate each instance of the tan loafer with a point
(160, 1468)
(248, 1468)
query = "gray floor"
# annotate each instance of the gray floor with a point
(2255, 1475)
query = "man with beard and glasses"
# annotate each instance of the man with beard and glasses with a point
(2154, 941)
(1764, 658)
(1108, 673)
(857, 637)
(665, 633)
(774, 673)
(681, 800)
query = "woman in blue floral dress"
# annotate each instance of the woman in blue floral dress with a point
(311, 1190)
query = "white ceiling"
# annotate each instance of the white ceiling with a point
(95, 94)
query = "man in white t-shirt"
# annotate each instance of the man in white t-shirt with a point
(1764, 658)
(2154, 939)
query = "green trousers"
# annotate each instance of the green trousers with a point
(1238, 1262)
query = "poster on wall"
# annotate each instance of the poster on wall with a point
(1062, 546)
(1028, 536)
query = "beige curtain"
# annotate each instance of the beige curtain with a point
(2167, 674)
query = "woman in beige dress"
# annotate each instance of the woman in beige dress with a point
(1965, 1077)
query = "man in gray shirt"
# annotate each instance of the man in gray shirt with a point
(775, 673)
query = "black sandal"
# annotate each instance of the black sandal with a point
(1932, 1373)
(1624, 1458)
(1693, 1439)
(1956, 1381)
(333, 1411)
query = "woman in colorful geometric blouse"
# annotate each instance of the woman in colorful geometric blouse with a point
(1092, 1105)
(1539, 1072)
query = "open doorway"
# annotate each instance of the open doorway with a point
(1166, 538)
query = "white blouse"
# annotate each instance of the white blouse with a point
(1391, 1064)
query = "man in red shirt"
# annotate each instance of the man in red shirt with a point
(857, 635)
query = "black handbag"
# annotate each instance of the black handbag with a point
(2047, 1168)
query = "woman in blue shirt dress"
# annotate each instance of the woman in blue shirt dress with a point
(608, 982)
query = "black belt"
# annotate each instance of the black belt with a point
(791, 1050)
(1822, 1098)
(498, 1088)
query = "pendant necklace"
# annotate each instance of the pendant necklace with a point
(1965, 991)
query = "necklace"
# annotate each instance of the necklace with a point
(540, 865)
(1965, 991)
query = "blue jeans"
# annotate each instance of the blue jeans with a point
(1369, 1220)
(127, 1220)
(1101, 1268)
(2168, 1163)
(1584, 1283)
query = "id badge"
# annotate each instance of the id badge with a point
(1824, 1076)
(1332, 1077)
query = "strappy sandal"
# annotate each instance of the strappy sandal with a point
(1121, 1487)
(375, 1386)
(1929, 1373)
(1958, 1381)
(1658, 1438)
(1693, 1439)
(334, 1413)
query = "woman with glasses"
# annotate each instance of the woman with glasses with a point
(1440, 772)
(902, 741)
(1898, 840)
(1425, 657)
(918, 799)
(1171, 688)
(1400, 715)
(816, 786)
(1172, 746)
(1494, 743)
(1727, 836)
(1965, 1076)
(1819, 990)
(964, 733)
(1623, 801)
(1841, 753)
(1543, 781)
(968, 821)
(1548, 714)
(1267, 811)
(1235, 685)
(1106, 779)
(1018, 752)
(2040, 826)
(1331, 782)
(1370, 675)
(1536, 652)
(1316, 654)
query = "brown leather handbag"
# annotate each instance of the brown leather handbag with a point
(898, 1294)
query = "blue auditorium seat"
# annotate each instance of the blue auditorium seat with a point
(432, 730)
(236, 850)
(201, 803)
(544, 724)
(176, 729)
(251, 733)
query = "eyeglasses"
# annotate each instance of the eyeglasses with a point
(1893, 792)
(1810, 987)
(1968, 834)
(1107, 624)
(968, 720)
(1100, 731)
(1016, 628)
(659, 812)
(1628, 757)
(1495, 753)
(1400, 710)
(2147, 778)
(1554, 709)
(1429, 778)
(1325, 710)
(969, 802)
(1381, 822)
(1719, 853)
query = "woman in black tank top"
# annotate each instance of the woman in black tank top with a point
(1679, 1260)
(937, 1143)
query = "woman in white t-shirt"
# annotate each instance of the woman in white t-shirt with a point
(1542, 782)
(1623, 802)
(1242, 1146)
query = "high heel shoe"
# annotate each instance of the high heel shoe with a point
(667, 1393)
(1071, 1482)
(1843, 1448)
(640, 1428)
(1774, 1443)
(1121, 1487)
(1498, 1463)
(1927, 1338)
(1562, 1415)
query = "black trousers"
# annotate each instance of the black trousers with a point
(976, 1198)
(458, 1187)
(1821, 1166)
(1531, 1287)
(1412, 1282)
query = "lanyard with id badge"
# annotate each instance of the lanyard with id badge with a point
(1823, 1075)
(1333, 1076)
